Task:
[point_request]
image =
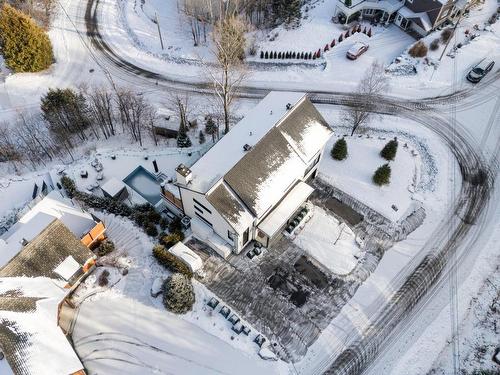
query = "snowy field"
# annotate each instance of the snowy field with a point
(119, 335)
(331, 243)
(136, 328)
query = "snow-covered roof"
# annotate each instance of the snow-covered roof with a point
(284, 141)
(113, 187)
(422, 18)
(53, 206)
(278, 217)
(31, 289)
(67, 268)
(187, 255)
(250, 130)
(230, 207)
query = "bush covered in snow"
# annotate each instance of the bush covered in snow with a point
(419, 49)
(103, 278)
(434, 44)
(69, 186)
(178, 294)
(339, 150)
(171, 239)
(382, 175)
(446, 34)
(104, 248)
(170, 261)
(390, 149)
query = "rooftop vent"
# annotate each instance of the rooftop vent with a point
(247, 147)
(288, 106)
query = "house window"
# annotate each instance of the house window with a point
(245, 236)
(204, 220)
(313, 164)
(198, 203)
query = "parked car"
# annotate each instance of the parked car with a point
(480, 70)
(356, 50)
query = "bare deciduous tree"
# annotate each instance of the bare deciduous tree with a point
(135, 114)
(373, 83)
(229, 70)
(101, 108)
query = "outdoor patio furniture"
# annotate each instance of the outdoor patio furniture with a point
(250, 254)
(257, 251)
(90, 187)
(98, 167)
(84, 173)
(213, 302)
(225, 311)
(99, 176)
(94, 163)
(233, 319)
(245, 330)
(259, 340)
(113, 157)
(289, 229)
(95, 185)
(258, 245)
(237, 328)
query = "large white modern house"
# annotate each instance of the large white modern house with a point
(249, 185)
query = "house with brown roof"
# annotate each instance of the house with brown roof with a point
(251, 183)
(43, 258)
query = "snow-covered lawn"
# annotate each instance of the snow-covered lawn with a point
(485, 44)
(119, 335)
(354, 175)
(329, 242)
(126, 309)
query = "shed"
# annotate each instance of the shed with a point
(187, 255)
(114, 188)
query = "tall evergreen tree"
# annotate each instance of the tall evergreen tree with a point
(339, 150)
(382, 175)
(390, 149)
(24, 44)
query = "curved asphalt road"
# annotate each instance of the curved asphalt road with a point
(452, 237)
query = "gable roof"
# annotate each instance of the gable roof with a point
(255, 180)
(223, 156)
(230, 207)
(30, 225)
(30, 293)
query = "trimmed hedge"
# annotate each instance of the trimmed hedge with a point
(170, 261)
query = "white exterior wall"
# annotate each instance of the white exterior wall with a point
(219, 225)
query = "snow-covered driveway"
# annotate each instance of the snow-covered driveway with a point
(118, 335)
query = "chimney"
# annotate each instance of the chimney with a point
(247, 147)
(24, 242)
(288, 106)
(183, 174)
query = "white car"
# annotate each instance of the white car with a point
(356, 50)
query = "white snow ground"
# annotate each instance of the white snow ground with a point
(119, 335)
(331, 243)
(354, 174)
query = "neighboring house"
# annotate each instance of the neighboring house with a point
(43, 257)
(249, 184)
(420, 16)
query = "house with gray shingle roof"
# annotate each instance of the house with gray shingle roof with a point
(259, 168)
